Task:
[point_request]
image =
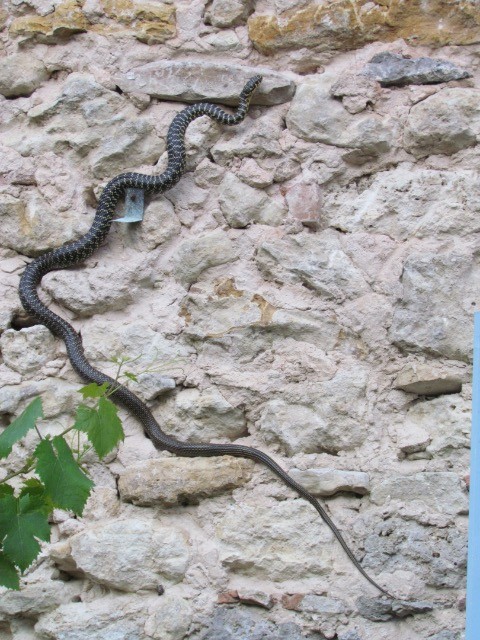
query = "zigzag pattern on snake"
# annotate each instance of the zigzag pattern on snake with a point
(75, 252)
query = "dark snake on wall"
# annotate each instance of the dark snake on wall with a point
(75, 252)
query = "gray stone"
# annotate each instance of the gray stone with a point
(150, 385)
(228, 13)
(127, 555)
(430, 379)
(356, 92)
(242, 205)
(444, 123)
(196, 255)
(21, 74)
(316, 261)
(239, 624)
(27, 350)
(395, 69)
(437, 319)
(171, 481)
(381, 610)
(190, 81)
(327, 482)
(441, 491)
(322, 605)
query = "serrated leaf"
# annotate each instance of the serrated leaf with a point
(37, 491)
(94, 390)
(20, 426)
(8, 574)
(6, 490)
(102, 426)
(65, 483)
(22, 522)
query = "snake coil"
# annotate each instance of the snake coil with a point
(75, 252)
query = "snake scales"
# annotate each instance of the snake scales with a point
(74, 252)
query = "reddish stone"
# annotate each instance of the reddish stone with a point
(304, 203)
(292, 601)
(228, 597)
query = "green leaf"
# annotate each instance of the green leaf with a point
(94, 390)
(102, 425)
(22, 521)
(20, 426)
(65, 483)
(5, 490)
(8, 574)
(36, 490)
(130, 376)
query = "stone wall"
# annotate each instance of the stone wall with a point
(309, 286)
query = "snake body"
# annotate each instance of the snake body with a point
(75, 252)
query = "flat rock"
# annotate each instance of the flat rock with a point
(430, 379)
(444, 123)
(170, 481)
(125, 554)
(440, 491)
(196, 255)
(21, 74)
(395, 69)
(190, 81)
(381, 610)
(327, 482)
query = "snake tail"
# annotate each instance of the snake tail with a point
(75, 252)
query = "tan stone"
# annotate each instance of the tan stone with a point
(151, 23)
(430, 380)
(342, 25)
(67, 20)
(169, 481)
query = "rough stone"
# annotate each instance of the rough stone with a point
(127, 555)
(151, 385)
(446, 122)
(170, 481)
(437, 319)
(64, 22)
(380, 610)
(228, 13)
(252, 174)
(198, 254)
(440, 491)
(395, 69)
(304, 200)
(355, 91)
(21, 74)
(191, 81)
(259, 539)
(403, 203)
(170, 619)
(27, 350)
(343, 25)
(327, 482)
(315, 116)
(430, 379)
(238, 624)
(243, 205)
(316, 261)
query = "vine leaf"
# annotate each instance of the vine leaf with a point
(94, 390)
(8, 574)
(20, 426)
(65, 483)
(22, 521)
(102, 425)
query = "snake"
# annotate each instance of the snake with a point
(76, 251)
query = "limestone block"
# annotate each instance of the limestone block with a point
(228, 13)
(113, 615)
(395, 69)
(224, 41)
(253, 174)
(27, 350)
(191, 81)
(403, 203)
(14, 168)
(29, 225)
(21, 74)
(437, 319)
(355, 91)
(440, 491)
(446, 122)
(315, 116)
(202, 416)
(170, 481)
(261, 540)
(242, 205)
(159, 225)
(243, 624)
(56, 27)
(127, 555)
(317, 261)
(313, 426)
(170, 618)
(327, 482)
(198, 254)
(431, 379)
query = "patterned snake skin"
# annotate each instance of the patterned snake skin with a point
(74, 252)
